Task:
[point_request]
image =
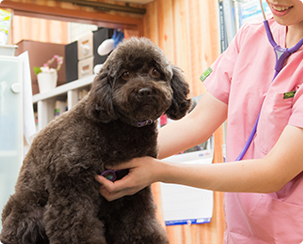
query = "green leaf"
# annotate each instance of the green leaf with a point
(37, 70)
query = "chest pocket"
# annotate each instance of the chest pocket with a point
(274, 117)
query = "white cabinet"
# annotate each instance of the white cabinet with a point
(45, 102)
(11, 125)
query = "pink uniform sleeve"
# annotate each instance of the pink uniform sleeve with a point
(219, 80)
(296, 118)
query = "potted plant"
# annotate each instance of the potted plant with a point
(47, 77)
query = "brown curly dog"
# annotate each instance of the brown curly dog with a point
(57, 198)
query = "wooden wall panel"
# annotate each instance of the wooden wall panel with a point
(150, 23)
(43, 30)
(187, 31)
(182, 36)
(165, 30)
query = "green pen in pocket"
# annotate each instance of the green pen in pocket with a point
(289, 94)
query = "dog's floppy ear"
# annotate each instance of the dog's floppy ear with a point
(180, 104)
(100, 106)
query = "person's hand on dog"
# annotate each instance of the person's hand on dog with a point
(142, 172)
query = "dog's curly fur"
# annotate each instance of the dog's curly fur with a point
(56, 198)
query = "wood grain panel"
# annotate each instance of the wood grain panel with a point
(188, 34)
(150, 21)
(165, 28)
(181, 36)
(42, 30)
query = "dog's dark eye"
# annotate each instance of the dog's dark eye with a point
(126, 75)
(155, 73)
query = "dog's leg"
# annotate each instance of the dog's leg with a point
(71, 214)
(22, 220)
(132, 220)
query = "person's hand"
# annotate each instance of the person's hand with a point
(142, 172)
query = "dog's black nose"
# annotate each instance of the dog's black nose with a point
(144, 92)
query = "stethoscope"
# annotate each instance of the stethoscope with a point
(112, 175)
(281, 55)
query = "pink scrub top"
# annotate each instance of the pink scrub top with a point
(241, 77)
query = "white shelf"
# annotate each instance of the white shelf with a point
(46, 101)
(63, 89)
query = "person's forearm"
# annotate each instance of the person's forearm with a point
(243, 176)
(269, 174)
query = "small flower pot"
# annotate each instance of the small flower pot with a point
(47, 81)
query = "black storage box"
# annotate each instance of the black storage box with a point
(71, 62)
(72, 54)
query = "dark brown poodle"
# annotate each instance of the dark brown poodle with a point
(56, 198)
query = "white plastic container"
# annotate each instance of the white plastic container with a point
(8, 50)
(47, 81)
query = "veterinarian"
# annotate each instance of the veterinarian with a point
(264, 191)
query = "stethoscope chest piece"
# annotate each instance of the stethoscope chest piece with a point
(114, 175)
(109, 174)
